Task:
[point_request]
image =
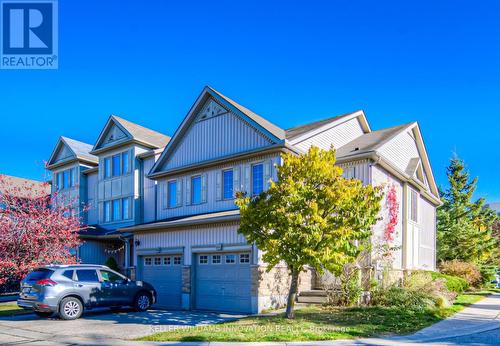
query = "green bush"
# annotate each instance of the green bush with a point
(487, 274)
(453, 283)
(420, 291)
(111, 264)
(468, 271)
(402, 298)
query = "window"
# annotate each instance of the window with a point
(108, 276)
(177, 259)
(172, 193)
(116, 165)
(147, 261)
(244, 258)
(157, 261)
(107, 211)
(216, 259)
(59, 181)
(166, 261)
(126, 208)
(66, 179)
(196, 190)
(38, 274)
(72, 177)
(125, 163)
(257, 179)
(203, 259)
(413, 205)
(107, 167)
(68, 274)
(227, 184)
(89, 275)
(230, 258)
(116, 210)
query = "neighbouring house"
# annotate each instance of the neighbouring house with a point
(17, 186)
(164, 208)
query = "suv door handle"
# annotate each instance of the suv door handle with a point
(78, 285)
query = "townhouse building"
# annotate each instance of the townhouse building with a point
(164, 207)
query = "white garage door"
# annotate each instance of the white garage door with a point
(164, 272)
(223, 282)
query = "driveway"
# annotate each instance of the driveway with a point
(99, 327)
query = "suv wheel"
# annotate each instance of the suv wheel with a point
(142, 302)
(70, 308)
(43, 313)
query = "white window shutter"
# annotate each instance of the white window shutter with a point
(188, 190)
(179, 192)
(247, 187)
(236, 179)
(218, 185)
(267, 173)
(203, 188)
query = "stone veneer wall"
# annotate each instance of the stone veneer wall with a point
(272, 287)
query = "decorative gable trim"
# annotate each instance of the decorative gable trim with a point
(104, 136)
(209, 104)
(62, 144)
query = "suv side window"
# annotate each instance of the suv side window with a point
(68, 274)
(89, 275)
(108, 276)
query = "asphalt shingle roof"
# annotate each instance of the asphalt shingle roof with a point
(143, 134)
(304, 128)
(370, 141)
(23, 188)
(80, 149)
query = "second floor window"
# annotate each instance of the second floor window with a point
(413, 204)
(227, 184)
(116, 210)
(257, 179)
(65, 179)
(196, 190)
(107, 167)
(117, 165)
(172, 194)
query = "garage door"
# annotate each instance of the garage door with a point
(223, 282)
(165, 274)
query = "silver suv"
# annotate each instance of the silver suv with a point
(69, 289)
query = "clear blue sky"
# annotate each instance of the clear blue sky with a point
(437, 62)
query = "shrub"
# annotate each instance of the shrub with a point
(418, 292)
(465, 270)
(345, 290)
(487, 274)
(111, 264)
(402, 298)
(453, 283)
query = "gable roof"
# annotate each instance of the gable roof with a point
(270, 130)
(80, 151)
(135, 133)
(299, 130)
(371, 141)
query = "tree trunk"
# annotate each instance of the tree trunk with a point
(292, 294)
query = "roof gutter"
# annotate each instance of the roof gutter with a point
(279, 147)
(180, 223)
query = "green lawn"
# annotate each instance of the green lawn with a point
(319, 323)
(10, 309)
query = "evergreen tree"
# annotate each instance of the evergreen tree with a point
(464, 228)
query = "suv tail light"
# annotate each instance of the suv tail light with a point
(46, 282)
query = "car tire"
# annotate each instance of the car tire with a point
(44, 314)
(70, 308)
(142, 301)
